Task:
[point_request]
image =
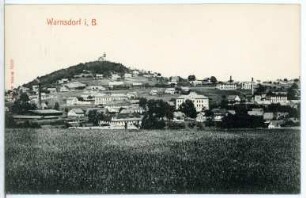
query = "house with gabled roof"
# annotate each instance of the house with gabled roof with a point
(76, 112)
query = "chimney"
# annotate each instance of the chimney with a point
(252, 86)
(39, 95)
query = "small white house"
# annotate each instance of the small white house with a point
(201, 117)
(71, 101)
(170, 91)
(233, 99)
(153, 92)
(115, 77)
(77, 112)
(127, 75)
(99, 76)
(52, 90)
(64, 89)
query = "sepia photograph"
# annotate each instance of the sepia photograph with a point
(152, 99)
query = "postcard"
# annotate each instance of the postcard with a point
(152, 99)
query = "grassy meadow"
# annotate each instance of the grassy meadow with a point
(93, 161)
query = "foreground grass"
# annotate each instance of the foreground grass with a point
(79, 161)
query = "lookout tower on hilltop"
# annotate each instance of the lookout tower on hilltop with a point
(103, 57)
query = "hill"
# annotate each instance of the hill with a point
(96, 67)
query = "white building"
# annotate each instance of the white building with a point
(170, 91)
(71, 101)
(200, 101)
(196, 82)
(62, 81)
(135, 73)
(99, 76)
(137, 84)
(227, 86)
(96, 87)
(115, 83)
(105, 99)
(127, 75)
(115, 77)
(52, 90)
(64, 89)
(77, 112)
(35, 88)
(277, 98)
(247, 85)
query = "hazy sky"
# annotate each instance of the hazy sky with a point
(260, 41)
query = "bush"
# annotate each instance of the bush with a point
(175, 125)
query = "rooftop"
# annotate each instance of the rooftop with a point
(192, 95)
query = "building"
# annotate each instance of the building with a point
(227, 86)
(185, 90)
(170, 91)
(201, 117)
(41, 116)
(200, 102)
(76, 112)
(96, 88)
(137, 84)
(108, 98)
(274, 124)
(127, 75)
(233, 99)
(24, 89)
(99, 76)
(72, 101)
(116, 84)
(135, 73)
(132, 95)
(268, 116)
(35, 88)
(277, 98)
(247, 85)
(196, 82)
(63, 81)
(52, 90)
(153, 92)
(75, 85)
(63, 89)
(115, 77)
(256, 112)
(83, 75)
(178, 117)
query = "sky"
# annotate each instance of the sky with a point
(242, 40)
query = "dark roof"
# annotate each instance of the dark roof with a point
(46, 112)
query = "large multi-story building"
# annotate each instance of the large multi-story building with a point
(200, 101)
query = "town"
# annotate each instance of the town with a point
(106, 95)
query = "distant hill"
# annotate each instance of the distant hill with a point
(96, 67)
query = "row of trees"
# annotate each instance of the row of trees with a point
(212, 79)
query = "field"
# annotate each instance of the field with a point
(216, 161)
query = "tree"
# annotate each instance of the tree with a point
(213, 79)
(157, 111)
(143, 102)
(224, 102)
(191, 78)
(292, 92)
(261, 89)
(56, 106)
(23, 105)
(188, 108)
(94, 117)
